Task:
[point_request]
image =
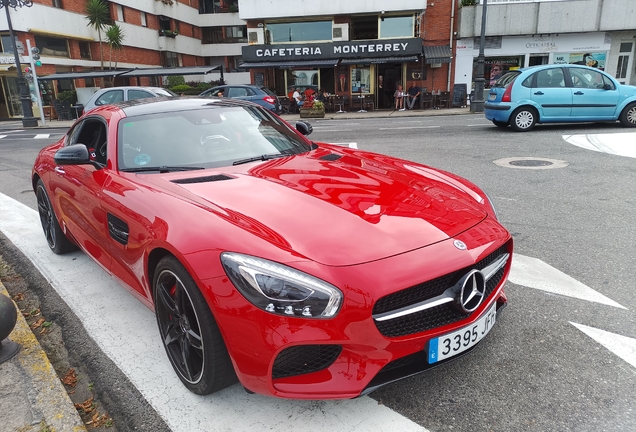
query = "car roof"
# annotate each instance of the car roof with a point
(541, 67)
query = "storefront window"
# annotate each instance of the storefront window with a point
(396, 27)
(302, 80)
(360, 79)
(299, 32)
(495, 67)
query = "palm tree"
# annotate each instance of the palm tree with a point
(98, 17)
(115, 39)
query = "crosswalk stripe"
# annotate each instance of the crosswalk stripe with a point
(622, 346)
(619, 144)
(534, 273)
(42, 136)
(2, 136)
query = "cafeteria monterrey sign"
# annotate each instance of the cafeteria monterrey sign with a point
(333, 50)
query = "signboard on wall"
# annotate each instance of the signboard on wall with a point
(595, 60)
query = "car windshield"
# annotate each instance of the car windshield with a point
(507, 78)
(165, 92)
(204, 138)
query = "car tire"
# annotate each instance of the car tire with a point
(55, 237)
(188, 330)
(628, 116)
(500, 124)
(523, 119)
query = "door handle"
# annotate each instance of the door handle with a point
(59, 170)
(578, 93)
(540, 93)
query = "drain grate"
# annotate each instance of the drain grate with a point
(530, 163)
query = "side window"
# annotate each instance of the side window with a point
(608, 84)
(74, 134)
(528, 81)
(109, 97)
(237, 92)
(548, 78)
(585, 78)
(93, 135)
(216, 91)
(139, 94)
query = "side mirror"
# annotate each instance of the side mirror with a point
(304, 127)
(76, 154)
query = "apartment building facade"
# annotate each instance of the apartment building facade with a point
(519, 33)
(351, 48)
(157, 33)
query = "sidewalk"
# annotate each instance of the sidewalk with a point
(32, 397)
(65, 124)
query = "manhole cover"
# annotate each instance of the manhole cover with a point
(536, 163)
(530, 163)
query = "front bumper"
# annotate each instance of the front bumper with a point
(350, 354)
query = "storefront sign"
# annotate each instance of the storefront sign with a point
(333, 50)
(595, 60)
(5, 59)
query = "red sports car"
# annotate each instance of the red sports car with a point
(302, 269)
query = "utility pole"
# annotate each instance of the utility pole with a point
(477, 105)
(25, 95)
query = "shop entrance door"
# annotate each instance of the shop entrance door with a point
(537, 59)
(389, 76)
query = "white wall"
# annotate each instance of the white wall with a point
(257, 9)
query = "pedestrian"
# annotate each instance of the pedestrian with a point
(399, 98)
(413, 93)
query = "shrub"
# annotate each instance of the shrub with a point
(67, 96)
(175, 80)
(180, 88)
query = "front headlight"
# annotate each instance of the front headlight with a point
(279, 289)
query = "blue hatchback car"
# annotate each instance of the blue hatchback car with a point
(559, 94)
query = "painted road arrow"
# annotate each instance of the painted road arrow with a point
(534, 273)
(622, 346)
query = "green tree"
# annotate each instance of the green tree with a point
(115, 40)
(98, 17)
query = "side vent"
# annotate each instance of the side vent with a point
(205, 179)
(118, 229)
(331, 157)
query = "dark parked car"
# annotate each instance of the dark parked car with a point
(258, 94)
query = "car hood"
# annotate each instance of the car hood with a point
(340, 207)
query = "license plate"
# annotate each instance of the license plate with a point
(492, 96)
(460, 340)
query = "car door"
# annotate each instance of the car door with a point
(77, 190)
(550, 93)
(134, 94)
(594, 95)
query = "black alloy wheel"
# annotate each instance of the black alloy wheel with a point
(55, 238)
(189, 332)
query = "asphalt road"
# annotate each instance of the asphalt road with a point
(540, 368)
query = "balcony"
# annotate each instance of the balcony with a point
(168, 33)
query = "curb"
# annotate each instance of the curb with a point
(38, 386)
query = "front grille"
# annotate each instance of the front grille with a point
(436, 316)
(304, 359)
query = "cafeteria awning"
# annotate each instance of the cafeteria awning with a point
(290, 64)
(378, 60)
(186, 70)
(85, 74)
(437, 54)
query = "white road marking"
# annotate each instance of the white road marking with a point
(620, 144)
(409, 127)
(534, 273)
(622, 346)
(480, 124)
(126, 331)
(352, 145)
(2, 136)
(42, 136)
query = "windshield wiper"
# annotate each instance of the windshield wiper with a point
(162, 169)
(264, 157)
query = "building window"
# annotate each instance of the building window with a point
(164, 23)
(7, 46)
(360, 79)
(218, 6)
(231, 34)
(50, 46)
(625, 52)
(170, 59)
(143, 19)
(120, 12)
(85, 50)
(396, 27)
(364, 27)
(57, 4)
(299, 32)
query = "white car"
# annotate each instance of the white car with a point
(113, 95)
